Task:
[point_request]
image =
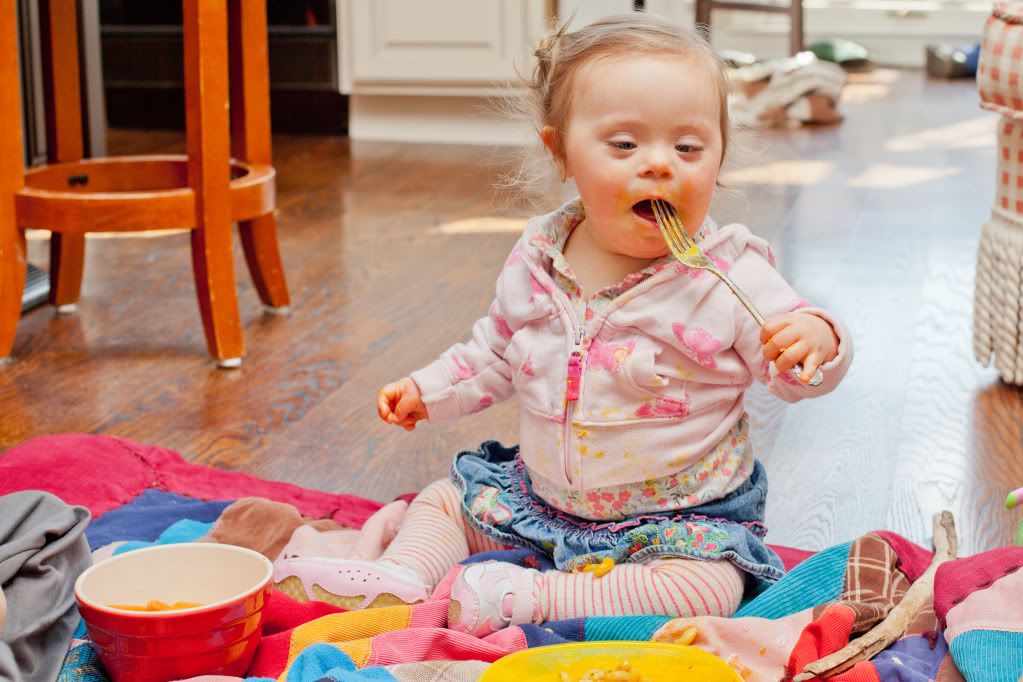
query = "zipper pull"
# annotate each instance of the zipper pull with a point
(575, 372)
(575, 366)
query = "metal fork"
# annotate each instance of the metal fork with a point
(684, 248)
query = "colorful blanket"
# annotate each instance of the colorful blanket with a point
(139, 495)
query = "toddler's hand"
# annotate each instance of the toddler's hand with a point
(798, 338)
(401, 403)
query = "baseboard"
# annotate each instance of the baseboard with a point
(440, 119)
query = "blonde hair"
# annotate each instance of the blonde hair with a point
(559, 57)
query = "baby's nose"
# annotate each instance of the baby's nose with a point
(657, 166)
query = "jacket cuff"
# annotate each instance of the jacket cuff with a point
(437, 389)
(835, 368)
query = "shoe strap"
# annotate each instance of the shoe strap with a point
(523, 600)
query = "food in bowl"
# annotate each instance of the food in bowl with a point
(228, 585)
(652, 661)
(157, 605)
(622, 672)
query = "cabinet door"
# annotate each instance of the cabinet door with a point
(441, 41)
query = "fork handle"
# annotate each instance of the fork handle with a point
(797, 370)
(744, 299)
(816, 380)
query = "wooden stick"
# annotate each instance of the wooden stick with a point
(899, 618)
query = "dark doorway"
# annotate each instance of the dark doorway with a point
(142, 66)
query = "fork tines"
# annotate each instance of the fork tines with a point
(671, 226)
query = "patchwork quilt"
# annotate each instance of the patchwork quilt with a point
(138, 495)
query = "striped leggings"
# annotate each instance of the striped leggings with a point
(435, 536)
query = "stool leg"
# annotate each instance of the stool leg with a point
(259, 240)
(703, 8)
(67, 263)
(250, 141)
(795, 26)
(61, 88)
(207, 130)
(12, 179)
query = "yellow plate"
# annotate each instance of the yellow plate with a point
(658, 661)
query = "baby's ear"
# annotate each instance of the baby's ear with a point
(552, 141)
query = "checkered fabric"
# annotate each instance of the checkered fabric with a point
(1001, 60)
(1009, 188)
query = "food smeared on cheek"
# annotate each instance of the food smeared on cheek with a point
(687, 210)
(624, 201)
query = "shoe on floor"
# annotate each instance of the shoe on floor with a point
(851, 56)
(490, 596)
(946, 61)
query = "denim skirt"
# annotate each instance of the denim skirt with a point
(498, 500)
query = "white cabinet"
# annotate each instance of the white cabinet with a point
(440, 41)
(455, 47)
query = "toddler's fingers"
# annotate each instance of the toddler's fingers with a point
(776, 345)
(408, 423)
(384, 404)
(405, 407)
(793, 354)
(810, 364)
(772, 326)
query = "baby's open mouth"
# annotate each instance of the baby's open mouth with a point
(645, 210)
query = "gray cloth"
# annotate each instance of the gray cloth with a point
(42, 551)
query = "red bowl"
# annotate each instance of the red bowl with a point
(231, 583)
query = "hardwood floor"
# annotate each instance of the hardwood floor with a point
(876, 219)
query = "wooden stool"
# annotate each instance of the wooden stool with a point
(794, 9)
(205, 190)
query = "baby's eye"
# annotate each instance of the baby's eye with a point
(686, 148)
(623, 145)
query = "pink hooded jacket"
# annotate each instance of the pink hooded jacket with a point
(646, 388)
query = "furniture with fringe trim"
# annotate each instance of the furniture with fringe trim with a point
(998, 292)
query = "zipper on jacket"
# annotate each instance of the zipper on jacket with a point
(574, 379)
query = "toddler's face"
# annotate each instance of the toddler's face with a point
(643, 127)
